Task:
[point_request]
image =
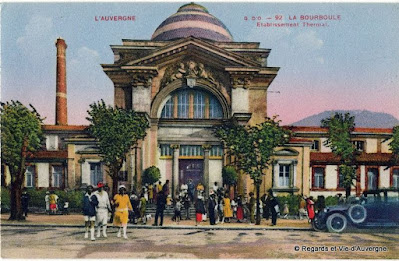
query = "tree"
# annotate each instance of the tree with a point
(252, 148)
(116, 131)
(151, 175)
(394, 144)
(229, 175)
(340, 128)
(21, 135)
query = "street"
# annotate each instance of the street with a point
(68, 242)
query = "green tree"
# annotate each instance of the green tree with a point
(229, 175)
(116, 131)
(394, 144)
(151, 175)
(21, 135)
(339, 140)
(252, 148)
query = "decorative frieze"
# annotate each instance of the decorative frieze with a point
(188, 69)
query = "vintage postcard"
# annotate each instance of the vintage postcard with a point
(199, 130)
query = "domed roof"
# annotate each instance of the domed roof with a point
(192, 20)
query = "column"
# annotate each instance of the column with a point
(206, 148)
(175, 168)
(138, 167)
(131, 167)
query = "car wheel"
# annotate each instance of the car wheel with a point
(319, 224)
(357, 213)
(336, 223)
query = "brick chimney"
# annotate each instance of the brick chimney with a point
(61, 108)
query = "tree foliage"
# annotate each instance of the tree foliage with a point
(339, 140)
(252, 147)
(151, 175)
(21, 135)
(394, 144)
(116, 131)
(229, 175)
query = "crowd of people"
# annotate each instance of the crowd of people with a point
(219, 207)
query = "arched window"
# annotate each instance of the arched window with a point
(192, 104)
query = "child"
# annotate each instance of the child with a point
(150, 193)
(53, 199)
(177, 211)
(169, 201)
(234, 207)
(286, 210)
(47, 200)
(143, 207)
(90, 203)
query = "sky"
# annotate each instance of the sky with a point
(351, 64)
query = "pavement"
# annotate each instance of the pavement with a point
(76, 220)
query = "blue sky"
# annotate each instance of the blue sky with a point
(351, 64)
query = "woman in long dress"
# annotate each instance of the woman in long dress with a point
(122, 207)
(227, 212)
(240, 210)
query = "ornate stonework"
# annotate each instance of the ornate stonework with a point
(189, 69)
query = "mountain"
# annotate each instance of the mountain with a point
(363, 118)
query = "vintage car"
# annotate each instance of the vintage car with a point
(375, 208)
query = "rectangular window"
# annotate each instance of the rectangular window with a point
(395, 178)
(315, 145)
(216, 151)
(166, 150)
(183, 105)
(372, 178)
(284, 176)
(30, 177)
(199, 105)
(318, 178)
(96, 174)
(359, 145)
(52, 142)
(191, 151)
(56, 180)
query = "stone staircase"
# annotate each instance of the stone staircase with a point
(169, 211)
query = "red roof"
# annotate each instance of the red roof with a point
(320, 129)
(324, 157)
(45, 154)
(65, 127)
(299, 140)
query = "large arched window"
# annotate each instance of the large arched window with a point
(192, 104)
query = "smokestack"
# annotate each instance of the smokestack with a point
(61, 112)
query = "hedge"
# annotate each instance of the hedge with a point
(293, 202)
(74, 197)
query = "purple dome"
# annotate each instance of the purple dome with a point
(192, 20)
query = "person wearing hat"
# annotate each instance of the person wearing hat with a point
(199, 210)
(211, 208)
(161, 203)
(122, 207)
(102, 209)
(227, 212)
(53, 199)
(89, 211)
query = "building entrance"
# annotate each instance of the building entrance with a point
(191, 169)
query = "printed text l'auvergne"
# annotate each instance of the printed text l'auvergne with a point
(114, 18)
